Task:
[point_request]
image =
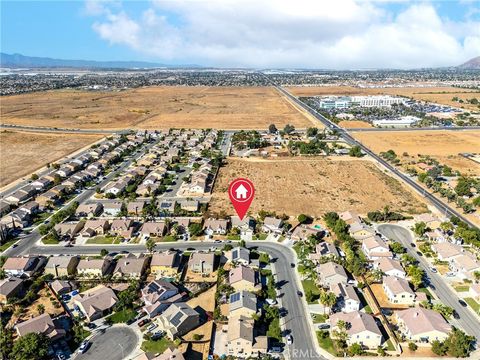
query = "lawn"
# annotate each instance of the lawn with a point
(326, 342)
(7, 244)
(261, 236)
(49, 241)
(368, 309)
(319, 318)
(473, 304)
(390, 346)
(462, 288)
(156, 346)
(233, 237)
(104, 240)
(310, 286)
(168, 238)
(122, 316)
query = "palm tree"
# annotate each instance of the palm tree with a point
(329, 299)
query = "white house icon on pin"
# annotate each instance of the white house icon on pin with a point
(241, 192)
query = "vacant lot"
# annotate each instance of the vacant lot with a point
(444, 146)
(354, 124)
(24, 152)
(314, 186)
(441, 95)
(155, 107)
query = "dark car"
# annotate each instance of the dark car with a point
(143, 322)
(91, 326)
(419, 253)
(292, 265)
(413, 245)
(463, 303)
(299, 293)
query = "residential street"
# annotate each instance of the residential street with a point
(467, 320)
(304, 343)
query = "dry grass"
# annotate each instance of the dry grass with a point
(442, 145)
(441, 95)
(354, 124)
(155, 107)
(24, 152)
(314, 186)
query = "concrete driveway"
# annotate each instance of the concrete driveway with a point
(115, 343)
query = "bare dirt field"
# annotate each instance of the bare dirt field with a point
(441, 95)
(155, 107)
(354, 124)
(444, 146)
(314, 186)
(22, 153)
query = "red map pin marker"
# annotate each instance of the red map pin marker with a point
(241, 192)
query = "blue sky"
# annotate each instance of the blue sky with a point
(301, 33)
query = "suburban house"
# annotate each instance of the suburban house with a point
(95, 227)
(130, 267)
(360, 231)
(123, 228)
(153, 228)
(93, 267)
(350, 217)
(465, 265)
(446, 251)
(430, 220)
(96, 302)
(324, 249)
(347, 297)
(23, 266)
(244, 225)
(361, 328)
(158, 295)
(112, 208)
(303, 232)
(42, 324)
(239, 255)
(60, 266)
(242, 342)
(68, 230)
(272, 225)
(390, 267)
(178, 319)
(243, 278)
(203, 263)
(165, 264)
(11, 288)
(242, 303)
(135, 207)
(60, 287)
(89, 210)
(215, 226)
(189, 205)
(374, 248)
(331, 273)
(422, 325)
(398, 290)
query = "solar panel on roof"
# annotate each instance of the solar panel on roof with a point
(235, 254)
(176, 319)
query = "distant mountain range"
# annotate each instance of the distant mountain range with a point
(21, 61)
(472, 64)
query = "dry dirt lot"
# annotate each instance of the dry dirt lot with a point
(155, 107)
(442, 145)
(314, 186)
(441, 95)
(22, 153)
(354, 124)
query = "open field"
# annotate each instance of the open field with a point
(24, 152)
(354, 124)
(441, 95)
(314, 186)
(442, 145)
(155, 108)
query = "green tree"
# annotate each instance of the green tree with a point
(312, 132)
(6, 342)
(355, 151)
(420, 228)
(412, 346)
(150, 245)
(328, 299)
(32, 346)
(355, 349)
(438, 348)
(41, 308)
(463, 187)
(272, 129)
(103, 252)
(397, 248)
(288, 129)
(34, 177)
(302, 218)
(459, 344)
(195, 229)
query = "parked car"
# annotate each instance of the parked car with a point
(83, 347)
(143, 322)
(299, 293)
(91, 326)
(289, 339)
(271, 301)
(463, 303)
(434, 270)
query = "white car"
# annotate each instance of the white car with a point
(83, 347)
(271, 301)
(289, 339)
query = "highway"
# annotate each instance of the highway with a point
(61, 130)
(467, 320)
(436, 128)
(438, 203)
(304, 343)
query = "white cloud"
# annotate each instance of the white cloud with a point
(283, 33)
